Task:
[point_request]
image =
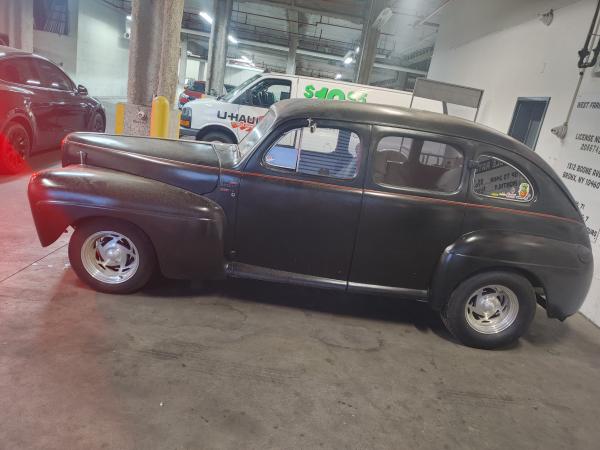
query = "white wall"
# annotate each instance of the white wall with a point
(503, 48)
(102, 52)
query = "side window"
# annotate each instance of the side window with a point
(417, 163)
(19, 70)
(495, 178)
(52, 77)
(266, 93)
(327, 152)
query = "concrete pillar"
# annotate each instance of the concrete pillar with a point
(293, 28)
(153, 59)
(19, 23)
(290, 68)
(217, 46)
(202, 70)
(369, 40)
(183, 61)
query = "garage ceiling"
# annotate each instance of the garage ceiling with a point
(325, 28)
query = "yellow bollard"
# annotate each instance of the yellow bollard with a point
(120, 118)
(159, 118)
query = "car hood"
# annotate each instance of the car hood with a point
(190, 165)
(204, 102)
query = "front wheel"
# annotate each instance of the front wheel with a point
(98, 123)
(217, 136)
(490, 310)
(112, 256)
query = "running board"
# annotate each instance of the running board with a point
(249, 271)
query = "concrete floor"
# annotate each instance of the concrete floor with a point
(245, 365)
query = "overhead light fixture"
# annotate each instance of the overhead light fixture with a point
(383, 18)
(357, 50)
(338, 76)
(348, 60)
(129, 17)
(206, 17)
(232, 39)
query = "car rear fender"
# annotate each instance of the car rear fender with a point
(186, 229)
(562, 269)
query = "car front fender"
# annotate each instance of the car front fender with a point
(186, 229)
(563, 269)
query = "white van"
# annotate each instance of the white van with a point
(231, 117)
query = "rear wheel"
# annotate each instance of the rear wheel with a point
(490, 310)
(15, 147)
(112, 256)
(216, 136)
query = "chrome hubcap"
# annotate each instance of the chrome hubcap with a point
(491, 309)
(110, 257)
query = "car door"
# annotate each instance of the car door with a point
(255, 101)
(70, 111)
(21, 71)
(299, 202)
(412, 210)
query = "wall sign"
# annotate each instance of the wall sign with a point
(580, 162)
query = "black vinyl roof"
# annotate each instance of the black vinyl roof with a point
(396, 116)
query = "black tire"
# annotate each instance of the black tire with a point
(455, 313)
(15, 148)
(98, 124)
(216, 136)
(146, 264)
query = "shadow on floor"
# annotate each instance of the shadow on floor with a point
(544, 332)
(309, 300)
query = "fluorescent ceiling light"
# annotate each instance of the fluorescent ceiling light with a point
(348, 60)
(338, 76)
(232, 39)
(129, 17)
(206, 17)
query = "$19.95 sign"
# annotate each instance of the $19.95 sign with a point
(326, 93)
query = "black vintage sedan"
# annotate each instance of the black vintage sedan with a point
(355, 197)
(39, 106)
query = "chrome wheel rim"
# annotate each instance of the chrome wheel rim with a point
(491, 309)
(110, 257)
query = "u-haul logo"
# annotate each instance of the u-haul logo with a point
(241, 121)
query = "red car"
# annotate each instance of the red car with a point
(196, 89)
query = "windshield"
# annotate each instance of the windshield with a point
(228, 97)
(257, 133)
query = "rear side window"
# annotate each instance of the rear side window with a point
(326, 152)
(418, 164)
(19, 70)
(496, 178)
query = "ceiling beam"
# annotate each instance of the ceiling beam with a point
(293, 5)
(284, 49)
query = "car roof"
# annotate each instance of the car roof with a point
(395, 116)
(413, 119)
(12, 51)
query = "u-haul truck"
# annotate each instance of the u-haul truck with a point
(231, 117)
